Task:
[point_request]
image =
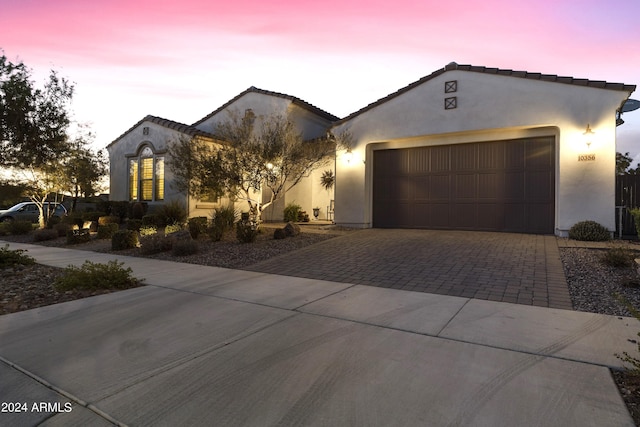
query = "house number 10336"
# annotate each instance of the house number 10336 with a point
(586, 157)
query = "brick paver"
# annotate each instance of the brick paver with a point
(515, 268)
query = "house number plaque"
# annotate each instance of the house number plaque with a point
(586, 157)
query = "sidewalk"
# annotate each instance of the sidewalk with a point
(211, 346)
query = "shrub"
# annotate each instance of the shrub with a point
(226, 215)
(148, 230)
(46, 234)
(107, 231)
(124, 239)
(62, 228)
(134, 224)
(197, 226)
(292, 212)
(247, 231)
(97, 276)
(137, 210)
(216, 231)
(155, 244)
(75, 237)
(92, 216)
(74, 218)
(13, 257)
(53, 221)
(172, 228)
(19, 227)
(119, 209)
(111, 219)
(150, 219)
(172, 212)
(618, 257)
(589, 231)
(184, 247)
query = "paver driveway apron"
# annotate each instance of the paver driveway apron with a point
(507, 267)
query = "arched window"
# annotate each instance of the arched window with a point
(146, 176)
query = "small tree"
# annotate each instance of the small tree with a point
(33, 128)
(246, 160)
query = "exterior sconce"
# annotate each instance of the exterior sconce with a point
(588, 134)
(269, 166)
(348, 156)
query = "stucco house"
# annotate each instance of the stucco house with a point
(466, 147)
(476, 148)
(138, 157)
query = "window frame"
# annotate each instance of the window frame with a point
(146, 182)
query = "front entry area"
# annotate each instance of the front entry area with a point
(504, 186)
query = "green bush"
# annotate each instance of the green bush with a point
(589, 231)
(247, 231)
(134, 224)
(92, 215)
(119, 209)
(292, 212)
(150, 220)
(124, 239)
(107, 231)
(75, 237)
(97, 276)
(46, 234)
(53, 221)
(111, 219)
(635, 213)
(19, 227)
(172, 228)
(184, 247)
(197, 226)
(217, 229)
(172, 212)
(74, 218)
(148, 230)
(155, 244)
(137, 211)
(13, 257)
(225, 215)
(618, 257)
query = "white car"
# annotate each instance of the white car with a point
(28, 211)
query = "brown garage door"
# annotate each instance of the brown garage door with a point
(493, 186)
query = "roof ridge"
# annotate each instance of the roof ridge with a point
(168, 123)
(601, 84)
(291, 98)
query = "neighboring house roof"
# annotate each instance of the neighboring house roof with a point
(180, 127)
(312, 108)
(497, 71)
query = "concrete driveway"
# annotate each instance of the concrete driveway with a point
(204, 346)
(507, 267)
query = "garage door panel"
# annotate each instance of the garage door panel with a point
(499, 186)
(440, 187)
(466, 186)
(491, 186)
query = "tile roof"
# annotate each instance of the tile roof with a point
(180, 127)
(312, 108)
(497, 71)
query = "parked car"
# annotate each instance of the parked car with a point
(28, 211)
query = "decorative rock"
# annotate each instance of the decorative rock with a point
(279, 234)
(292, 229)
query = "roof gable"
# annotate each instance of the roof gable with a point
(170, 124)
(495, 71)
(297, 101)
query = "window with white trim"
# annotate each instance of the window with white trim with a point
(146, 176)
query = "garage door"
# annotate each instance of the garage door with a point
(492, 186)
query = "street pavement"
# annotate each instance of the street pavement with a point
(211, 346)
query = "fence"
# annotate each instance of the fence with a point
(627, 196)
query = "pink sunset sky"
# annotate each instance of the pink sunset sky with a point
(182, 59)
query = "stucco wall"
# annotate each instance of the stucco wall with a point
(131, 144)
(491, 107)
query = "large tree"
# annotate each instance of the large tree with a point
(33, 128)
(250, 154)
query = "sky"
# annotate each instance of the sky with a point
(181, 60)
